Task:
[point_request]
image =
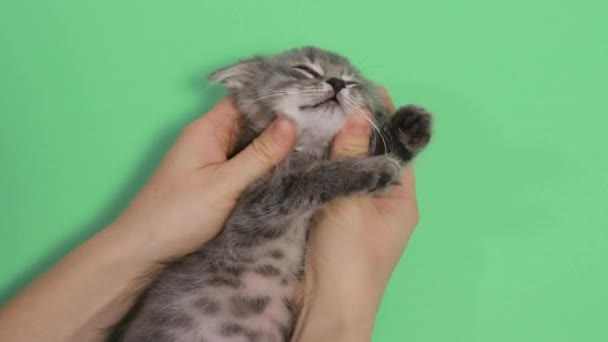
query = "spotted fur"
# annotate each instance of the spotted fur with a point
(239, 287)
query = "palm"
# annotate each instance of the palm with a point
(384, 223)
(359, 239)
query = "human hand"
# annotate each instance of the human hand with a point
(187, 200)
(183, 205)
(353, 249)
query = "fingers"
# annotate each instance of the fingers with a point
(207, 139)
(407, 193)
(408, 182)
(388, 102)
(266, 151)
(353, 140)
(223, 118)
(402, 197)
(406, 190)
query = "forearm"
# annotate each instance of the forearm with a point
(83, 294)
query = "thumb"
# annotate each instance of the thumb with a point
(353, 140)
(266, 151)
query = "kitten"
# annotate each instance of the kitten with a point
(240, 285)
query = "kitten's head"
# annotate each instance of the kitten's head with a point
(317, 89)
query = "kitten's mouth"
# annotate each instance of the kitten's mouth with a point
(329, 101)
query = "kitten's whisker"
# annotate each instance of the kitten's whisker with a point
(382, 130)
(359, 111)
(257, 99)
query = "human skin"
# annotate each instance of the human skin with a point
(353, 249)
(193, 191)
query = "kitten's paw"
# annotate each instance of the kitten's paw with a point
(413, 127)
(381, 173)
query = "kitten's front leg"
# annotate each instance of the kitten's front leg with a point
(339, 178)
(271, 205)
(323, 182)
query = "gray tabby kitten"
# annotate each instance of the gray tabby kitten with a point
(240, 286)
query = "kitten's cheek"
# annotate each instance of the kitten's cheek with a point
(288, 106)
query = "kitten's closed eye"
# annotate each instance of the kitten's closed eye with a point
(307, 70)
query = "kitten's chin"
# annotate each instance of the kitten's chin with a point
(326, 118)
(329, 102)
(318, 111)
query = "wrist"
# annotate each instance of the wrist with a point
(135, 246)
(171, 232)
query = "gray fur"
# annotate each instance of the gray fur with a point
(240, 285)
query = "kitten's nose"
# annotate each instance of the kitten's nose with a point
(336, 83)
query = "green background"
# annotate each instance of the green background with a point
(513, 240)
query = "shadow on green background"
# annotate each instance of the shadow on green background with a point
(513, 238)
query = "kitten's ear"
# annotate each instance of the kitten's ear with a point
(235, 76)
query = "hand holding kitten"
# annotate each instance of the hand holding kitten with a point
(242, 284)
(354, 248)
(182, 206)
(196, 187)
(355, 243)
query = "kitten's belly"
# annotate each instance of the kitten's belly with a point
(225, 294)
(241, 300)
(259, 310)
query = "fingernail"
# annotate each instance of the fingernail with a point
(282, 129)
(357, 125)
